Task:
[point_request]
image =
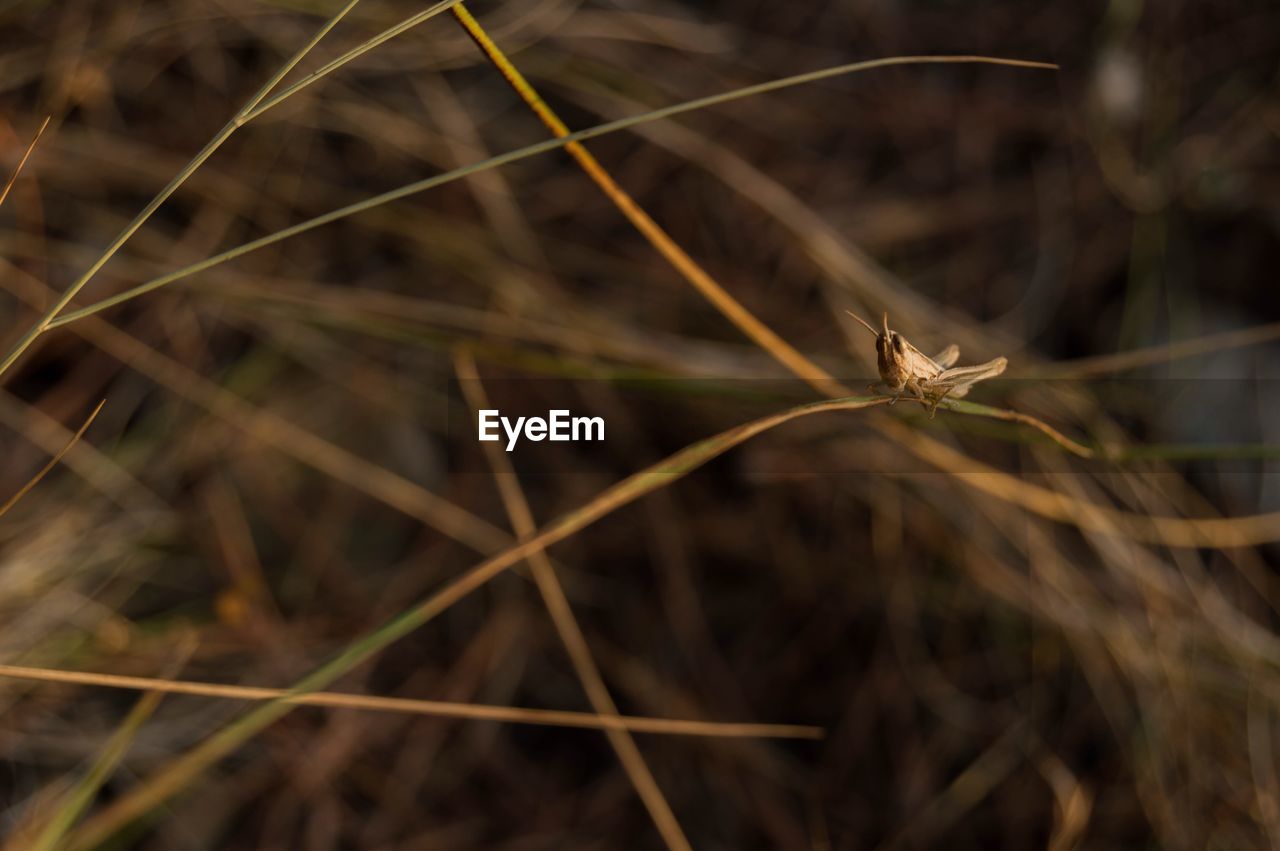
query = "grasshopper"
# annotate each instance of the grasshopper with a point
(903, 367)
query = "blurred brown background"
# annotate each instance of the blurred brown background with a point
(251, 500)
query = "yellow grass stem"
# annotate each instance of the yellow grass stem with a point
(411, 706)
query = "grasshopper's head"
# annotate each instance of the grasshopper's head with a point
(890, 345)
(892, 359)
(891, 351)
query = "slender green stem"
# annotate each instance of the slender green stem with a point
(46, 321)
(354, 53)
(521, 154)
(81, 796)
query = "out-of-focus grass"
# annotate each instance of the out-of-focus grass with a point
(1006, 645)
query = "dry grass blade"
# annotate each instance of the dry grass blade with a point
(566, 624)
(1073, 803)
(95, 467)
(53, 462)
(438, 708)
(13, 178)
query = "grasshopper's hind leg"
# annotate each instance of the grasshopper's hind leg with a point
(949, 391)
(933, 409)
(917, 391)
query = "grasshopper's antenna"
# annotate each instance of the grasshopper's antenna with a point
(887, 332)
(865, 323)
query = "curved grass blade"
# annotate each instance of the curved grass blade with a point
(53, 462)
(515, 156)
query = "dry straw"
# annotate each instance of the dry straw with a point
(1067, 506)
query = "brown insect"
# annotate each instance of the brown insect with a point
(904, 368)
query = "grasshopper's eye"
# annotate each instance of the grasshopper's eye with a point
(898, 344)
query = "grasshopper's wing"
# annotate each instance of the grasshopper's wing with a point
(947, 357)
(957, 380)
(922, 366)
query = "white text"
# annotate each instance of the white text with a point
(559, 425)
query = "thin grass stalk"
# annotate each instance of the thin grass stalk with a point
(414, 706)
(515, 156)
(566, 624)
